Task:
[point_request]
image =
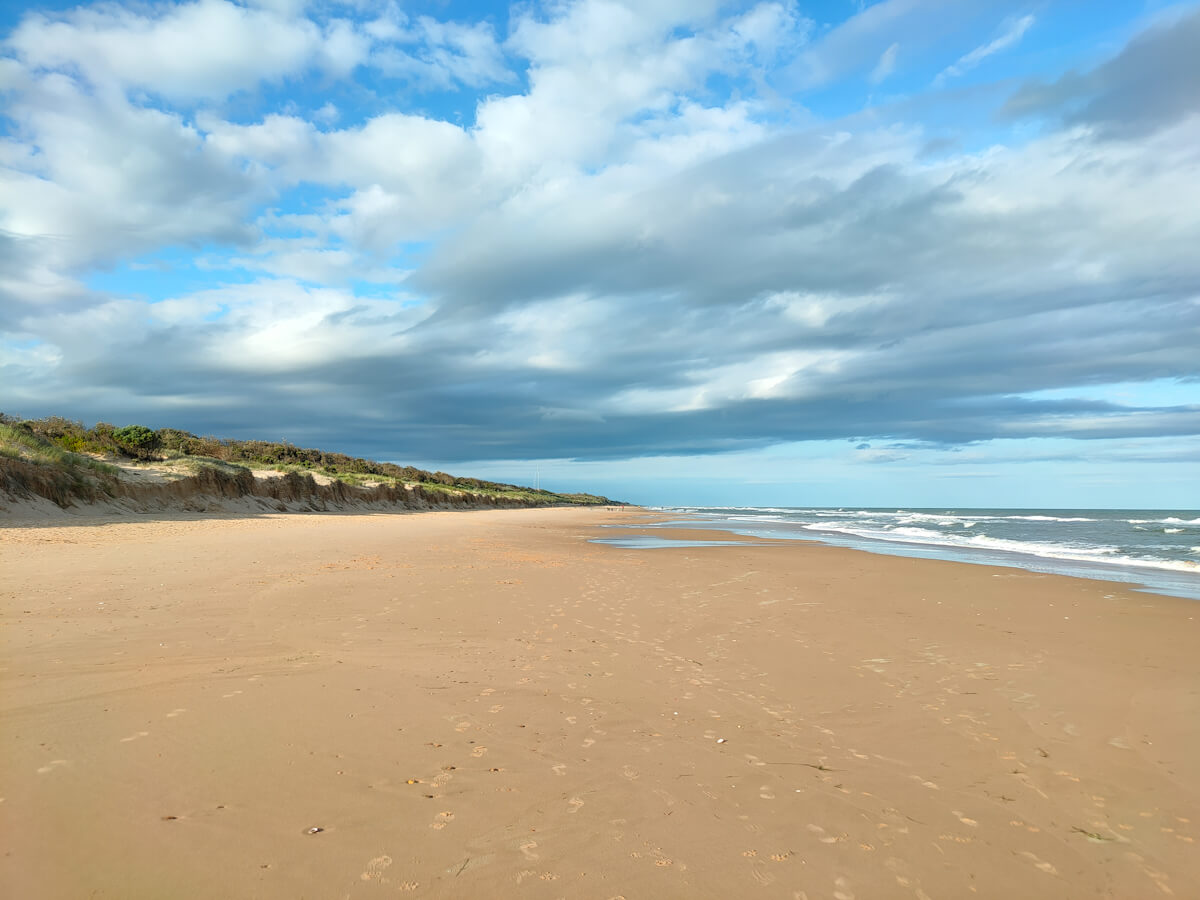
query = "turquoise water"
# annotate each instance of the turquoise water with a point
(1156, 549)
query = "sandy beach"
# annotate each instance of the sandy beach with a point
(484, 704)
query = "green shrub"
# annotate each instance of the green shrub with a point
(137, 440)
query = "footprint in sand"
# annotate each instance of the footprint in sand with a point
(631, 773)
(575, 803)
(478, 752)
(496, 708)
(375, 869)
(527, 849)
(842, 889)
(442, 820)
(822, 836)
(1039, 864)
(956, 838)
(560, 769)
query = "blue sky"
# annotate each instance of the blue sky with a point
(912, 252)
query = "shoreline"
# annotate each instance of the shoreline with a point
(1169, 580)
(491, 704)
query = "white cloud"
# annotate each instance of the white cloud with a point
(601, 65)
(278, 141)
(327, 114)
(858, 44)
(465, 53)
(309, 259)
(343, 48)
(438, 55)
(771, 29)
(1010, 37)
(886, 65)
(209, 48)
(109, 179)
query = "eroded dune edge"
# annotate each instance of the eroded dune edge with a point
(27, 488)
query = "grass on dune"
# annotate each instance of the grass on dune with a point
(18, 443)
(56, 441)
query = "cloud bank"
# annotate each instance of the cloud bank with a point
(594, 229)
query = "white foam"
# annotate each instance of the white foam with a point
(967, 530)
(1169, 520)
(1048, 518)
(1045, 550)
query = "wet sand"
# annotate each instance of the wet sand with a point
(485, 705)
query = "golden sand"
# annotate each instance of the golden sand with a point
(487, 705)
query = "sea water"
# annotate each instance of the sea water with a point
(1157, 549)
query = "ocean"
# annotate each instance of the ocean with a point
(1158, 550)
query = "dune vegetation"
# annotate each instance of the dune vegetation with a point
(67, 462)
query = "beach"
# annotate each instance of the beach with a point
(486, 704)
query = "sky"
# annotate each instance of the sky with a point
(902, 253)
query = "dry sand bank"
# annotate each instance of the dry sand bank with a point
(484, 705)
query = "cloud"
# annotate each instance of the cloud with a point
(99, 180)
(886, 65)
(1010, 37)
(209, 48)
(1151, 84)
(860, 43)
(640, 249)
(439, 55)
(603, 74)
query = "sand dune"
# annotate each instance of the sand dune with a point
(33, 492)
(484, 704)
